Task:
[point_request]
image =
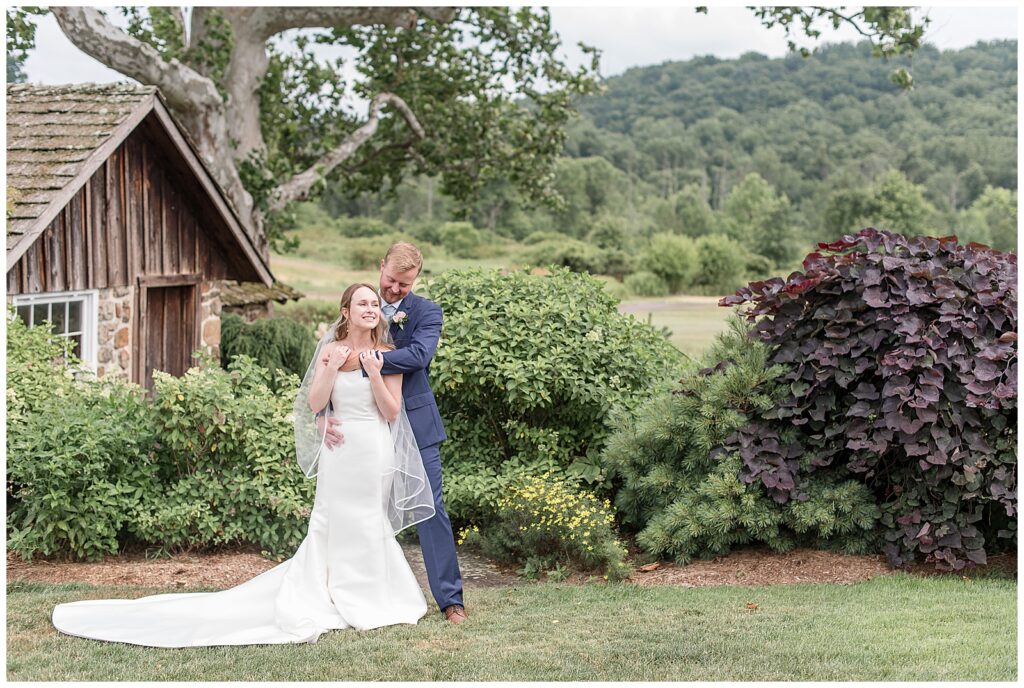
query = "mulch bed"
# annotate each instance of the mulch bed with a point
(761, 566)
(224, 569)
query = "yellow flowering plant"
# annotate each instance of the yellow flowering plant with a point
(545, 522)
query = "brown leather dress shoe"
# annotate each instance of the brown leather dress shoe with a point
(456, 613)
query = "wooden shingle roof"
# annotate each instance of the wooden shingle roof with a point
(58, 136)
(51, 133)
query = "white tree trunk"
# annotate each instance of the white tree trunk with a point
(192, 97)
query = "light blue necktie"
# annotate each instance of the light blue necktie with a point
(389, 311)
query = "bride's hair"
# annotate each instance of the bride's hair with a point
(379, 333)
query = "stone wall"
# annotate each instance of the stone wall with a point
(115, 325)
(115, 337)
(210, 318)
(114, 332)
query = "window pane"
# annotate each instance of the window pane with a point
(74, 316)
(77, 339)
(40, 312)
(25, 313)
(57, 311)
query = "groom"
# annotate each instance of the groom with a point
(416, 328)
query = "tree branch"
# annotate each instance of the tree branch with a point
(298, 187)
(379, 152)
(269, 21)
(184, 88)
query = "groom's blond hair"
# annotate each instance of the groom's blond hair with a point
(403, 256)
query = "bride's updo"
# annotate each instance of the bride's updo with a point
(379, 336)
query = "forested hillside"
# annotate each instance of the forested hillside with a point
(774, 154)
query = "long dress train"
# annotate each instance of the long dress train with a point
(348, 572)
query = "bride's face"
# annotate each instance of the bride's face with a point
(364, 310)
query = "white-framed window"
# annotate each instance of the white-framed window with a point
(74, 314)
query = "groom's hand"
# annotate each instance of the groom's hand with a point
(333, 436)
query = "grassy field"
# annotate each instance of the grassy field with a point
(693, 320)
(892, 628)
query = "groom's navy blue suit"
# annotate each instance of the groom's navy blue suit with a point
(415, 342)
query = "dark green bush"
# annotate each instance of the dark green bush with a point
(566, 252)
(273, 342)
(460, 239)
(683, 493)
(646, 284)
(722, 264)
(39, 365)
(227, 461)
(902, 372)
(758, 267)
(425, 231)
(610, 233)
(366, 253)
(78, 461)
(527, 375)
(309, 312)
(673, 258)
(360, 227)
(537, 237)
(93, 465)
(544, 522)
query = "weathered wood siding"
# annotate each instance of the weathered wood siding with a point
(171, 327)
(138, 215)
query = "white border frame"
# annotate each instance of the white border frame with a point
(90, 316)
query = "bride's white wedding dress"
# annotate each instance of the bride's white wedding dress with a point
(349, 571)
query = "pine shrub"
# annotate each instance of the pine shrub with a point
(681, 491)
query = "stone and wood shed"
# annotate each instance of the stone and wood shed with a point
(117, 233)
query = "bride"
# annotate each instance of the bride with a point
(349, 571)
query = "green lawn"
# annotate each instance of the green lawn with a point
(693, 320)
(891, 628)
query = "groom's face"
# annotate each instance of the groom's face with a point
(395, 285)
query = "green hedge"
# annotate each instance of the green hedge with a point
(273, 342)
(527, 376)
(94, 465)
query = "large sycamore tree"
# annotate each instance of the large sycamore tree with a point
(468, 95)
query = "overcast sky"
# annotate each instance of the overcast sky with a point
(627, 36)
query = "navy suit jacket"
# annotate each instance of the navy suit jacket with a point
(416, 342)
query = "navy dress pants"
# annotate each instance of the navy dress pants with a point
(437, 540)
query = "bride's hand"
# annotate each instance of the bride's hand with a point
(337, 356)
(372, 362)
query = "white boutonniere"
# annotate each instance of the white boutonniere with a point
(399, 319)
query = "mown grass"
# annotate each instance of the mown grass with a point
(891, 628)
(693, 321)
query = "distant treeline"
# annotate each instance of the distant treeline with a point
(774, 153)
